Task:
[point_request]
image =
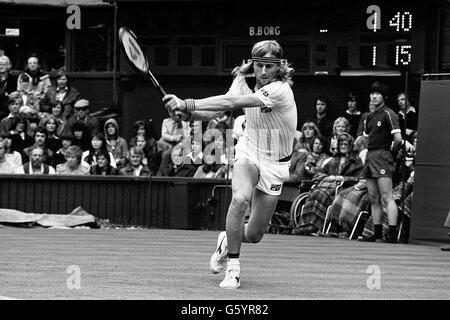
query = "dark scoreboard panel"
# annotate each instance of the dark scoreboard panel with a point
(319, 37)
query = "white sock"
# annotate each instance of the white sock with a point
(233, 262)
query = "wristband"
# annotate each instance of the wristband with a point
(190, 104)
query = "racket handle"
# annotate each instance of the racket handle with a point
(162, 92)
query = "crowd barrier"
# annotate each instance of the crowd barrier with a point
(157, 202)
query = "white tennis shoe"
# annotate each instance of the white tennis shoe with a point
(218, 261)
(232, 277)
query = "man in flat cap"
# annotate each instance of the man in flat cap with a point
(82, 114)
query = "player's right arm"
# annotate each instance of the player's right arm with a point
(210, 107)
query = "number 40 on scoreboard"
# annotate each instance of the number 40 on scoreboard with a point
(402, 21)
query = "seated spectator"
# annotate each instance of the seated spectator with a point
(352, 113)
(40, 81)
(8, 84)
(11, 155)
(40, 140)
(135, 167)
(30, 102)
(152, 158)
(322, 118)
(308, 133)
(345, 209)
(115, 144)
(103, 166)
(36, 164)
(19, 135)
(210, 169)
(6, 166)
(301, 148)
(98, 146)
(57, 112)
(304, 165)
(146, 130)
(60, 155)
(81, 135)
(317, 158)
(14, 103)
(73, 164)
(343, 169)
(173, 132)
(63, 94)
(340, 126)
(82, 114)
(50, 125)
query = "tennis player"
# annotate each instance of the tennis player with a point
(262, 87)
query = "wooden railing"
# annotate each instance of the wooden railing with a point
(159, 202)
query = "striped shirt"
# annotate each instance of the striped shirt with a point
(269, 129)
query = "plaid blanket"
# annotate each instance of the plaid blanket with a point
(348, 204)
(315, 208)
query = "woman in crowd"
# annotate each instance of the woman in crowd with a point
(57, 112)
(302, 147)
(343, 169)
(317, 158)
(115, 144)
(73, 164)
(50, 124)
(20, 140)
(152, 158)
(81, 135)
(64, 94)
(103, 166)
(30, 102)
(308, 133)
(98, 146)
(340, 126)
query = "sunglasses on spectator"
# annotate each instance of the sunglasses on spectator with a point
(81, 108)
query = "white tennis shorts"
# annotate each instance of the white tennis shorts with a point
(272, 174)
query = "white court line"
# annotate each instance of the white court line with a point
(7, 298)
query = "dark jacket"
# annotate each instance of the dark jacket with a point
(7, 86)
(49, 99)
(129, 171)
(350, 170)
(110, 171)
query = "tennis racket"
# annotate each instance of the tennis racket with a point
(136, 55)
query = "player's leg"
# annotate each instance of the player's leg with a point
(263, 206)
(245, 177)
(388, 202)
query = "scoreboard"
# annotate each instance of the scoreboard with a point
(400, 23)
(319, 37)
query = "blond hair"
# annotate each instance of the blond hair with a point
(260, 49)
